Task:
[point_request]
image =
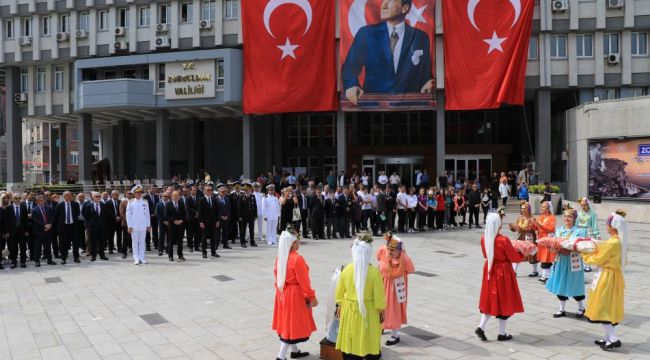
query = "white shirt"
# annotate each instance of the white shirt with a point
(364, 198)
(137, 215)
(383, 179)
(412, 201)
(394, 180)
(271, 207)
(364, 180)
(418, 179)
(291, 179)
(342, 180)
(402, 200)
(259, 200)
(503, 190)
(399, 28)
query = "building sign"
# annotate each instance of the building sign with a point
(620, 168)
(189, 80)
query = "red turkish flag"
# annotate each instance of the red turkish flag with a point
(289, 56)
(486, 49)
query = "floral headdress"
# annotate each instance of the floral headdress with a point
(570, 211)
(393, 242)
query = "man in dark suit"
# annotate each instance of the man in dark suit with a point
(161, 209)
(191, 226)
(175, 217)
(95, 213)
(224, 216)
(317, 209)
(233, 198)
(113, 221)
(29, 204)
(329, 207)
(15, 230)
(207, 212)
(81, 226)
(42, 229)
(343, 211)
(66, 217)
(153, 198)
(303, 205)
(247, 210)
(395, 56)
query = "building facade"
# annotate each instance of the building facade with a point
(160, 82)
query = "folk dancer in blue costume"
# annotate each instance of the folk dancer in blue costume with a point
(587, 220)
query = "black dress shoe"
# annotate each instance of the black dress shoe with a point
(299, 354)
(253, 244)
(533, 274)
(50, 262)
(38, 264)
(23, 265)
(160, 253)
(181, 258)
(103, 257)
(123, 256)
(580, 313)
(171, 258)
(77, 261)
(600, 342)
(611, 345)
(93, 258)
(227, 247)
(504, 337)
(110, 252)
(587, 269)
(243, 245)
(1, 267)
(559, 314)
(205, 256)
(215, 255)
(392, 341)
(14, 265)
(148, 247)
(63, 262)
(480, 333)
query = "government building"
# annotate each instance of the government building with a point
(154, 88)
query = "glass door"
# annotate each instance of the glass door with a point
(470, 167)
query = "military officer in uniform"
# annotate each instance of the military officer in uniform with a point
(233, 198)
(247, 211)
(138, 219)
(271, 212)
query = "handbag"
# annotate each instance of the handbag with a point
(296, 214)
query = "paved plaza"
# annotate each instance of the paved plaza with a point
(222, 308)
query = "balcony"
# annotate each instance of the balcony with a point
(116, 93)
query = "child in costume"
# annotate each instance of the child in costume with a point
(526, 229)
(395, 265)
(545, 226)
(587, 220)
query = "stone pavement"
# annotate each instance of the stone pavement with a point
(222, 308)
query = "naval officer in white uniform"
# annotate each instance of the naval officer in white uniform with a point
(138, 221)
(259, 200)
(271, 214)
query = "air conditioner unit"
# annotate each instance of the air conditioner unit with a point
(163, 41)
(615, 4)
(560, 5)
(205, 25)
(162, 28)
(121, 45)
(25, 40)
(120, 31)
(61, 36)
(81, 34)
(613, 59)
(20, 97)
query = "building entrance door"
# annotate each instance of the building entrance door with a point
(404, 167)
(470, 167)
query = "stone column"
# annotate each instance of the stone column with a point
(440, 135)
(162, 148)
(14, 130)
(248, 143)
(543, 135)
(341, 143)
(63, 153)
(85, 149)
(121, 144)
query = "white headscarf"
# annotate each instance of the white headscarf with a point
(492, 224)
(286, 240)
(331, 297)
(619, 223)
(361, 254)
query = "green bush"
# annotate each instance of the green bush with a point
(539, 189)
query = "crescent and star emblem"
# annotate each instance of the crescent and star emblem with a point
(495, 41)
(288, 48)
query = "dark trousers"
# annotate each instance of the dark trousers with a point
(193, 234)
(16, 243)
(317, 230)
(390, 220)
(97, 244)
(304, 216)
(422, 220)
(401, 220)
(411, 217)
(485, 212)
(209, 233)
(126, 240)
(440, 216)
(68, 237)
(81, 235)
(175, 238)
(330, 225)
(43, 245)
(243, 224)
(233, 229)
(343, 225)
(379, 225)
(55, 243)
(365, 216)
(431, 218)
(111, 229)
(504, 200)
(162, 236)
(156, 229)
(473, 215)
(222, 233)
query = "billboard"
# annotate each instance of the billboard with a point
(620, 168)
(387, 55)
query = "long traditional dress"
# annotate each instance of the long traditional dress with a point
(392, 269)
(547, 221)
(500, 293)
(525, 225)
(292, 319)
(359, 336)
(606, 294)
(589, 222)
(567, 274)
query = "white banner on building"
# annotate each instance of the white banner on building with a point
(189, 80)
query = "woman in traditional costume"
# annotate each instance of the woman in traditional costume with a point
(567, 273)
(588, 221)
(361, 299)
(545, 226)
(526, 229)
(606, 294)
(500, 295)
(294, 296)
(395, 265)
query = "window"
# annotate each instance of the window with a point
(611, 93)
(186, 13)
(610, 44)
(83, 21)
(40, 79)
(27, 27)
(110, 74)
(533, 50)
(123, 17)
(558, 46)
(208, 9)
(230, 9)
(165, 13)
(9, 29)
(24, 80)
(639, 44)
(637, 92)
(220, 74)
(584, 46)
(103, 20)
(161, 76)
(58, 78)
(64, 23)
(45, 26)
(143, 16)
(74, 157)
(128, 74)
